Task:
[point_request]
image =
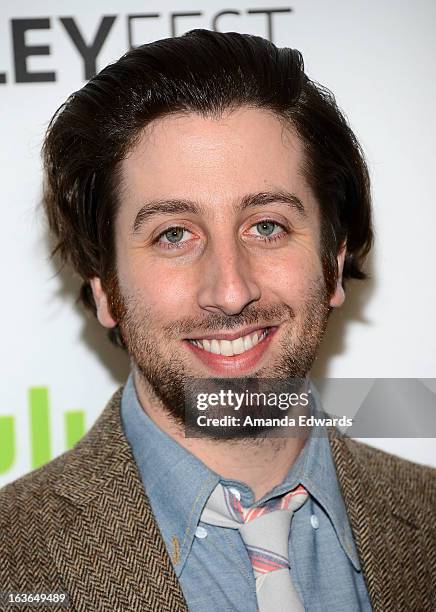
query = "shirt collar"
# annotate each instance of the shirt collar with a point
(317, 473)
(178, 484)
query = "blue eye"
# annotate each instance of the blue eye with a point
(269, 230)
(173, 237)
(174, 234)
(265, 228)
(177, 236)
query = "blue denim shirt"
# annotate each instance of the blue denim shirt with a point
(211, 562)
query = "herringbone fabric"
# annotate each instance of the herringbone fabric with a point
(265, 532)
(83, 525)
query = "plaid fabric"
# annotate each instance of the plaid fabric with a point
(244, 515)
(83, 524)
(265, 532)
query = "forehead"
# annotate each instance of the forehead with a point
(215, 161)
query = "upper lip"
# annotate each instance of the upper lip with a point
(231, 335)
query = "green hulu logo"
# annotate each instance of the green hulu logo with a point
(40, 431)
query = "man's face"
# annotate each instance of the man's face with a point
(218, 254)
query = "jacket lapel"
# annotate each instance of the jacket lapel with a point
(390, 537)
(103, 537)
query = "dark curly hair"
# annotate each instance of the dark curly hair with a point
(203, 72)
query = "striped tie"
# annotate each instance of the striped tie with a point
(265, 532)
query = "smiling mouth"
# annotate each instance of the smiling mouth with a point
(229, 348)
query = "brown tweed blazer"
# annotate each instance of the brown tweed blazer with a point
(82, 524)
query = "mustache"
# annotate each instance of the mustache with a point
(221, 322)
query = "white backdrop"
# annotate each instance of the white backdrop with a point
(376, 57)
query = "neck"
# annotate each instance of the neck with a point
(261, 463)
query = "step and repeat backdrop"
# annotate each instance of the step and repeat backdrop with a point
(58, 369)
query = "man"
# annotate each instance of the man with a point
(213, 200)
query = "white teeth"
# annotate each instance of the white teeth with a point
(228, 348)
(215, 347)
(248, 343)
(238, 346)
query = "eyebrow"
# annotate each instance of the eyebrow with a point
(178, 206)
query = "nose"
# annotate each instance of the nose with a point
(228, 284)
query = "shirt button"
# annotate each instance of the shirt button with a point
(235, 493)
(314, 521)
(201, 532)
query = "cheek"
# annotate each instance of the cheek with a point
(165, 292)
(290, 276)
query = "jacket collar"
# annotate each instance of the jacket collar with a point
(107, 547)
(382, 516)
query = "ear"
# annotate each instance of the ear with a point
(100, 298)
(338, 296)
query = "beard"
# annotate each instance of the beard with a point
(167, 376)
